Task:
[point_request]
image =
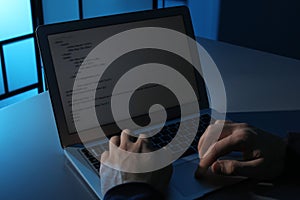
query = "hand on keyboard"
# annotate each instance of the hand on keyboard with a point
(111, 177)
(263, 152)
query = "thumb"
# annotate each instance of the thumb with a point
(237, 168)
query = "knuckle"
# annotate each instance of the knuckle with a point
(124, 134)
(241, 135)
(139, 143)
(127, 131)
(114, 139)
(231, 167)
(243, 125)
(219, 121)
(210, 128)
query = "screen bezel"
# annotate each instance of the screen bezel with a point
(42, 33)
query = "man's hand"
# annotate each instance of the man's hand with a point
(263, 153)
(111, 177)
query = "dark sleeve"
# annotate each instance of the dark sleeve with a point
(292, 166)
(133, 191)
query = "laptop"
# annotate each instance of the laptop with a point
(64, 48)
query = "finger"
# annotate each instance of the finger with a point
(125, 139)
(220, 148)
(251, 169)
(143, 143)
(229, 128)
(213, 130)
(114, 143)
(115, 140)
(212, 134)
(210, 129)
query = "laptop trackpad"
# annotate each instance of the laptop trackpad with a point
(184, 182)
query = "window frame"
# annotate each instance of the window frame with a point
(37, 19)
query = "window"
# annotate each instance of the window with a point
(60, 11)
(12, 24)
(18, 97)
(20, 73)
(20, 64)
(1, 81)
(171, 3)
(94, 8)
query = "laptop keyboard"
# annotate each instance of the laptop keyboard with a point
(160, 139)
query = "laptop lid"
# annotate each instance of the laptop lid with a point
(64, 46)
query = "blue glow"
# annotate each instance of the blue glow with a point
(19, 97)
(172, 3)
(20, 64)
(1, 81)
(15, 18)
(94, 8)
(60, 10)
(205, 17)
(43, 77)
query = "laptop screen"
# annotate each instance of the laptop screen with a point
(69, 48)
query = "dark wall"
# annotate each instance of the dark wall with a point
(268, 25)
